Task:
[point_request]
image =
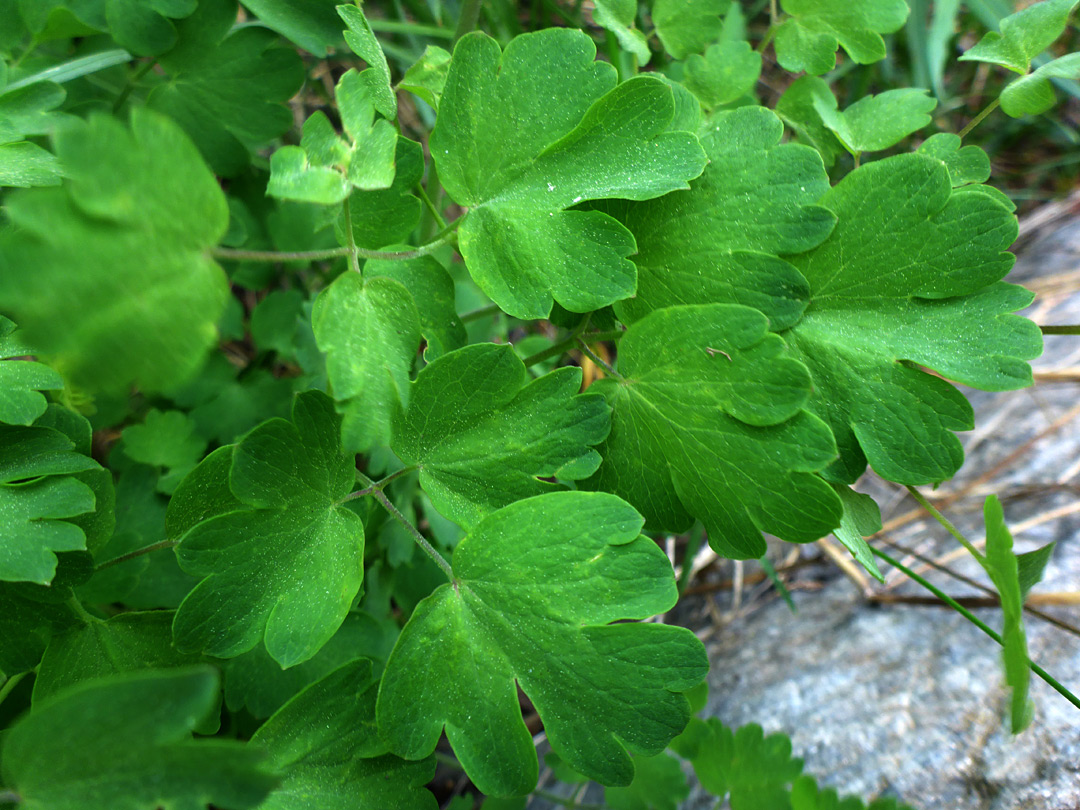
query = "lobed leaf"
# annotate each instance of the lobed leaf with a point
(966, 164)
(1034, 93)
(727, 72)
(287, 564)
(707, 423)
(659, 784)
(376, 77)
(502, 434)
(535, 587)
(688, 26)
(1024, 35)
(21, 381)
(808, 39)
(519, 151)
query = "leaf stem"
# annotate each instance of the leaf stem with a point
(944, 521)
(87, 617)
(769, 34)
(772, 13)
(431, 207)
(598, 359)
(563, 345)
(9, 685)
(469, 19)
(421, 541)
(971, 617)
(978, 119)
(1071, 329)
(332, 253)
(378, 485)
(131, 555)
(130, 86)
(350, 237)
(482, 312)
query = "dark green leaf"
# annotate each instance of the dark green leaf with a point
(144, 27)
(688, 26)
(861, 519)
(387, 217)
(312, 24)
(659, 784)
(21, 381)
(535, 587)
(966, 164)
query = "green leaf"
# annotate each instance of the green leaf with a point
(32, 515)
(1031, 565)
(808, 39)
(29, 616)
(526, 134)
(908, 278)
(130, 642)
(124, 743)
(966, 164)
(861, 519)
(483, 434)
(798, 109)
(26, 165)
(727, 72)
(716, 242)
(123, 291)
(21, 381)
(370, 331)
(1001, 565)
(753, 768)
(312, 24)
(659, 784)
(387, 217)
(617, 16)
(30, 452)
(805, 795)
(427, 76)
(27, 111)
(876, 122)
(432, 290)
(376, 77)
(1034, 94)
(1024, 35)
(275, 320)
(225, 86)
(165, 439)
(706, 424)
(535, 587)
(144, 27)
(688, 26)
(325, 744)
(290, 477)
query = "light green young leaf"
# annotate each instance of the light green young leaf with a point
(1031, 566)
(909, 278)
(294, 177)
(123, 291)
(364, 44)
(387, 217)
(21, 381)
(226, 86)
(371, 160)
(524, 135)
(753, 768)
(1034, 94)
(287, 567)
(326, 746)
(536, 585)
(432, 290)
(483, 434)
(370, 331)
(1024, 35)
(1001, 565)
(706, 423)
(727, 72)
(808, 39)
(861, 519)
(145, 27)
(659, 784)
(966, 164)
(312, 24)
(688, 26)
(427, 77)
(716, 242)
(617, 16)
(124, 743)
(876, 122)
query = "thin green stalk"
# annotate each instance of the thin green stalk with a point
(350, 238)
(563, 345)
(482, 312)
(10, 685)
(944, 521)
(379, 485)
(74, 68)
(766, 39)
(430, 206)
(978, 119)
(693, 545)
(1060, 330)
(975, 620)
(234, 255)
(421, 541)
(598, 360)
(469, 19)
(772, 13)
(131, 555)
(410, 28)
(87, 617)
(130, 86)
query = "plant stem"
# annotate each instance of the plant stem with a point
(482, 312)
(431, 207)
(8, 686)
(944, 521)
(331, 253)
(87, 617)
(350, 237)
(766, 39)
(421, 541)
(1060, 330)
(378, 485)
(974, 122)
(413, 29)
(130, 86)
(772, 13)
(563, 345)
(971, 617)
(598, 360)
(469, 19)
(131, 555)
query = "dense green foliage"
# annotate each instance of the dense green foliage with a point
(347, 380)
